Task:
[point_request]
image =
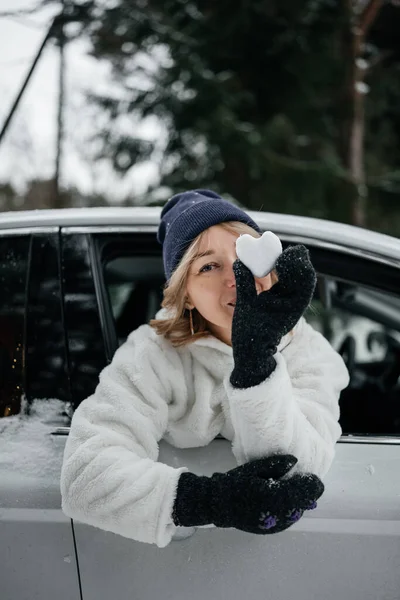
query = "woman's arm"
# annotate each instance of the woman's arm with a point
(110, 477)
(296, 409)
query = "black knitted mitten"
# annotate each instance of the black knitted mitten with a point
(252, 497)
(260, 321)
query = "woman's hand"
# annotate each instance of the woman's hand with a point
(253, 497)
(261, 320)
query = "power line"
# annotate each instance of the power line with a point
(55, 30)
(25, 83)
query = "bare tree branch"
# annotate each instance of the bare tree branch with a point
(369, 15)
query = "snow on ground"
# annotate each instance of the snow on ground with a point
(27, 447)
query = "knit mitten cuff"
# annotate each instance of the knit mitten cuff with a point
(253, 372)
(192, 506)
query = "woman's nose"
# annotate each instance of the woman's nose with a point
(230, 278)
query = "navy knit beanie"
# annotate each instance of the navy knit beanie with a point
(186, 215)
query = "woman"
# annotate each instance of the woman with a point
(228, 354)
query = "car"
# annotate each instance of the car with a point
(74, 283)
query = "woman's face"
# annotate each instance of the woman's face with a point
(211, 286)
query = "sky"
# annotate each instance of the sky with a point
(28, 149)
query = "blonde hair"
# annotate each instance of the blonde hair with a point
(177, 328)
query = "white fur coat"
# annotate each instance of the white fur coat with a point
(110, 476)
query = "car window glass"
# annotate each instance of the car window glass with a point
(358, 311)
(363, 325)
(34, 389)
(14, 256)
(135, 286)
(46, 359)
(83, 327)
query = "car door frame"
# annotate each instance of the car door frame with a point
(312, 523)
(358, 265)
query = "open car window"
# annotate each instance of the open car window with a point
(361, 322)
(135, 289)
(363, 325)
(367, 314)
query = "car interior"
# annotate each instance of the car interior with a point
(361, 322)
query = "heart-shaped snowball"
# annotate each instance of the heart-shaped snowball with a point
(259, 254)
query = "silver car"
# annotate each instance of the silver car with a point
(74, 283)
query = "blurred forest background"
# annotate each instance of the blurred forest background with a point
(284, 105)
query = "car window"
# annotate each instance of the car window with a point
(363, 325)
(135, 287)
(34, 390)
(46, 356)
(83, 326)
(365, 314)
(14, 255)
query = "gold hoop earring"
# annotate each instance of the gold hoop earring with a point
(191, 322)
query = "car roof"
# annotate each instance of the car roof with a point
(295, 226)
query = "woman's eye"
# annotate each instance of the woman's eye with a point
(207, 268)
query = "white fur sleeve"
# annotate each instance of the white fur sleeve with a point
(110, 477)
(295, 410)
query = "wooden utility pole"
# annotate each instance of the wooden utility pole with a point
(70, 13)
(61, 102)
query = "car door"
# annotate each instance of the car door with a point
(348, 548)
(37, 557)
